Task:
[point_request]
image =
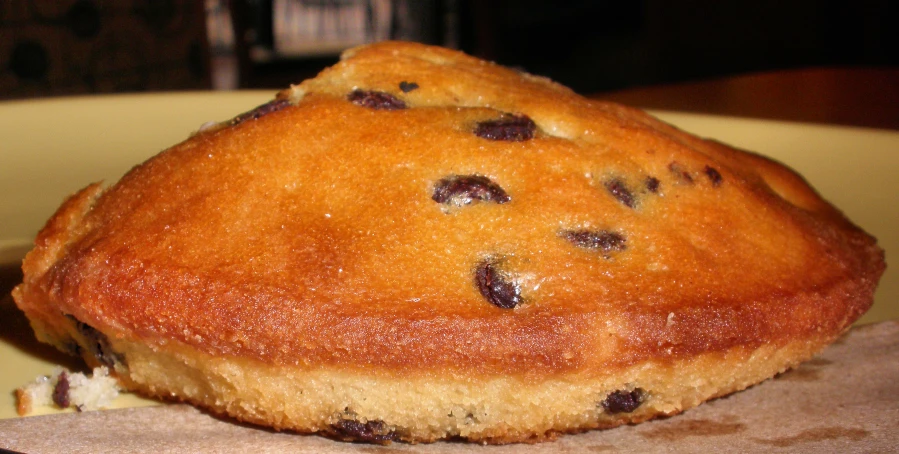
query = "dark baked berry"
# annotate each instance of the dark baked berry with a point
(72, 348)
(513, 128)
(652, 184)
(602, 240)
(461, 190)
(98, 344)
(376, 100)
(623, 401)
(260, 111)
(406, 87)
(714, 176)
(495, 287)
(680, 173)
(618, 189)
(61, 391)
(373, 431)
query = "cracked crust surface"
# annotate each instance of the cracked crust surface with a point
(304, 241)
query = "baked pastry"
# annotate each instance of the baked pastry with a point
(418, 245)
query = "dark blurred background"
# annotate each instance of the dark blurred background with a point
(64, 47)
(61, 47)
(603, 45)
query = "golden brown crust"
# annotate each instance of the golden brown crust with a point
(306, 235)
(23, 402)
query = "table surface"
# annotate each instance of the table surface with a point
(867, 97)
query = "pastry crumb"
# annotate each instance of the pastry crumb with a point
(83, 392)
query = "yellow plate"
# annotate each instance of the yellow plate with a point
(51, 148)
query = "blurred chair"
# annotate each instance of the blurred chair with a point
(279, 42)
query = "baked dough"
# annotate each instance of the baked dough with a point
(419, 245)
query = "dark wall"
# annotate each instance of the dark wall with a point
(604, 45)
